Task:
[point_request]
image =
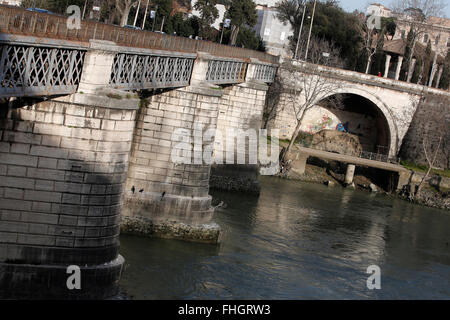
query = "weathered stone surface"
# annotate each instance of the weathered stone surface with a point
(412, 148)
(335, 141)
(36, 282)
(237, 178)
(330, 183)
(240, 109)
(157, 187)
(171, 229)
(373, 188)
(62, 187)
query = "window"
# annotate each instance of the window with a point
(403, 34)
(438, 38)
(426, 37)
(448, 42)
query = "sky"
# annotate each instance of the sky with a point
(351, 5)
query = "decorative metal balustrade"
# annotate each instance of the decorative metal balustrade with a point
(224, 71)
(39, 71)
(133, 71)
(265, 72)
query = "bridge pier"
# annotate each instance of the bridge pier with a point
(165, 198)
(241, 110)
(349, 174)
(63, 164)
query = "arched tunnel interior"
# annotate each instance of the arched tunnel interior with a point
(353, 114)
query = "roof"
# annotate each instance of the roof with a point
(398, 46)
(441, 22)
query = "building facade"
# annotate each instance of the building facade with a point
(379, 10)
(436, 31)
(11, 2)
(274, 32)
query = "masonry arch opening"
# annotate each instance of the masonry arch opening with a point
(353, 114)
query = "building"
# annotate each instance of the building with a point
(378, 10)
(11, 2)
(274, 32)
(436, 30)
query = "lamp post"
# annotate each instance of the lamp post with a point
(145, 14)
(84, 8)
(310, 29)
(154, 18)
(300, 31)
(137, 12)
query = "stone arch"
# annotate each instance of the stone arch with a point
(382, 108)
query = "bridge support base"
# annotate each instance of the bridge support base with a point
(240, 113)
(30, 281)
(349, 174)
(235, 177)
(166, 198)
(63, 165)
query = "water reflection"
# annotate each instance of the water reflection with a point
(300, 241)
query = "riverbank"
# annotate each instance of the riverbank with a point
(322, 172)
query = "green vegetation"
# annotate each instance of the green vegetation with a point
(114, 96)
(144, 102)
(422, 168)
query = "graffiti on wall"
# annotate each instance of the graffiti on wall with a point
(325, 123)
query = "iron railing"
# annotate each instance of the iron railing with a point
(19, 21)
(265, 73)
(224, 71)
(132, 71)
(378, 157)
(38, 71)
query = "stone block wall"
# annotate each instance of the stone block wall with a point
(241, 107)
(425, 122)
(63, 164)
(158, 189)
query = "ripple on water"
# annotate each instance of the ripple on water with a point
(299, 241)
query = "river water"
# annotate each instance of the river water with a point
(299, 241)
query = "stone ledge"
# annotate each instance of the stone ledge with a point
(169, 229)
(255, 85)
(206, 89)
(27, 281)
(101, 99)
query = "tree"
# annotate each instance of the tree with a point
(271, 105)
(428, 8)
(124, 7)
(291, 11)
(435, 133)
(241, 12)
(372, 39)
(415, 14)
(305, 87)
(56, 6)
(331, 23)
(208, 14)
(445, 79)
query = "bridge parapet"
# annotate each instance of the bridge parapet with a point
(357, 77)
(42, 57)
(18, 21)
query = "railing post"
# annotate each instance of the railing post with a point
(97, 68)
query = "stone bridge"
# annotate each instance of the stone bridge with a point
(86, 128)
(378, 110)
